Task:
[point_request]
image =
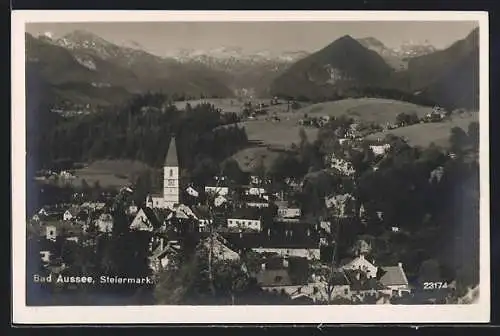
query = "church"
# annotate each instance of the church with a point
(170, 197)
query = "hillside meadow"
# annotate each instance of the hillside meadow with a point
(107, 173)
(282, 134)
(364, 109)
(425, 134)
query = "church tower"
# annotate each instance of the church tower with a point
(171, 177)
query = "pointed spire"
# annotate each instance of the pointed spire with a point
(171, 159)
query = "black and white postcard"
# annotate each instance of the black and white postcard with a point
(250, 167)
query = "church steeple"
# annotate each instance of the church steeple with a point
(171, 158)
(171, 177)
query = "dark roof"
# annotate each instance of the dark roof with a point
(275, 240)
(46, 245)
(171, 159)
(270, 278)
(394, 275)
(253, 199)
(50, 217)
(363, 283)
(298, 269)
(82, 216)
(152, 217)
(339, 278)
(246, 213)
(74, 211)
(202, 211)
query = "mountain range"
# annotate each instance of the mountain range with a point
(85, 68)
(348, 68)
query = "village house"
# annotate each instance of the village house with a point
(71, 213)
(93, 205)
(343, 140)
(47, 250)
(287, 212)
(51, 232)
(283, 239)
(394, 278)
(220, 248)
(219, 201)
(104, 223)
(363, 288)
(132, 209)
(254, 201)
(82, 217)
(380, 149)
(343, 166)
(255, 191)
(219, 191)
(245, 220)
(343, 205)
(257, 180)
(160, 257)
(202, 215)
(192, 192)
(294, 184)
(145, 220)
(362, 264)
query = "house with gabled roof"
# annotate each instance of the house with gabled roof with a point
(71, 213)
(360, 263)
(220, 247)
(145, 220)
(394, 278)
(105, 223)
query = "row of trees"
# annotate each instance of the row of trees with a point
(141, 130)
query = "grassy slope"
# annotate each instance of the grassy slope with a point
(424, 134)
(109, 173)
(284, 133)
(365, 109)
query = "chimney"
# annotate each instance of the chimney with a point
(263, 266)
(285, 262)
(400, 265)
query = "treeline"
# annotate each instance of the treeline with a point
(140, 130)
(333, 94)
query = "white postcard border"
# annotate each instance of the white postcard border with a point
(22, 314)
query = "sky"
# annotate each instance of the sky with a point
(163, 38)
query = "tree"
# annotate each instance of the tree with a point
(232, 170)
(413, 119)
(189, 283)
(402, 119)
(142, 186)
(303, 138)
(458, 139)
(429, 271)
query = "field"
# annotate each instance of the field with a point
(282, 134)
(108, 173)
(364, 109)
(424, 134)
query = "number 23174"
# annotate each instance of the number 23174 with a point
(435, 285)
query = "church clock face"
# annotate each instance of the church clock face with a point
(171, 183)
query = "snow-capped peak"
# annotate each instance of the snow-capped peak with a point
(48, 34)
(233, 53)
